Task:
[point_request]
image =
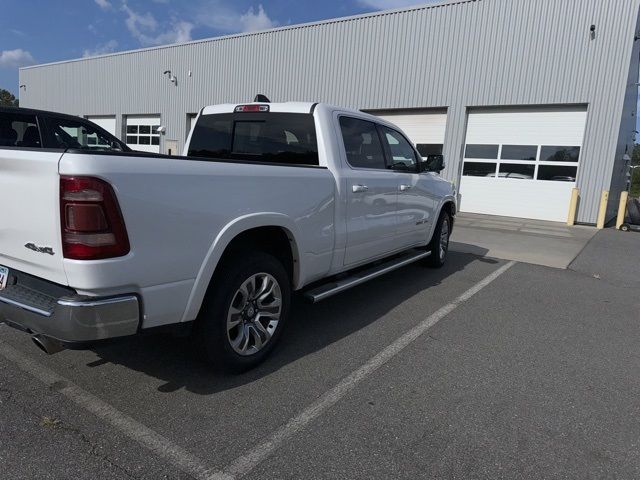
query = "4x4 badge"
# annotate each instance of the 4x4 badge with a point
(35, 248)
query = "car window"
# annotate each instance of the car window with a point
(19, 130)
(401, 152)
(288, 138)
(76, 134)
(362, 143)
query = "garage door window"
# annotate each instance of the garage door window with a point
(426, 149)
(482, 151)
(519, 152)
(523, 162)
(479, 169)
(559, 154)
(143, 134)
(517, 170)
(557, 173)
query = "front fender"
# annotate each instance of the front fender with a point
(449, 198)
(222, 241)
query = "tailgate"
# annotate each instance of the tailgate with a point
(30, 238)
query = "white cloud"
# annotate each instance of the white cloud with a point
(213, 14)
(179, 32)
(252, 21)
(15, 58)
(103, 49)
(139, 24)
(223, 19)
(146, 29)
(388, 4)
(104, 4)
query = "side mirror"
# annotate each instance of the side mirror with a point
(433, 163)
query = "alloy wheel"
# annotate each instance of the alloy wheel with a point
(254, 314)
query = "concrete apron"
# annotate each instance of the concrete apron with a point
(539, 242)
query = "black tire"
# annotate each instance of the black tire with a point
(438, 257)
(211, 333)
(624, 227)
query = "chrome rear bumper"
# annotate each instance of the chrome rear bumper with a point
(35, 307)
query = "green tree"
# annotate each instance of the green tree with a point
(634, 191)
(7, 99)
(635, 156)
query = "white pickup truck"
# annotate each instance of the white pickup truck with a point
(99, 242)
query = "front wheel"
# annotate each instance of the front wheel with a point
(244, 313)
(439, 244)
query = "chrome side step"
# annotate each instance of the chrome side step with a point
(329, 289)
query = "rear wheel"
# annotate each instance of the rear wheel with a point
(244, 312)
(439, 244)
(624, 227)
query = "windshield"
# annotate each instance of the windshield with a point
(76, 134)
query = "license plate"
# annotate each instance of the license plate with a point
(4, 276)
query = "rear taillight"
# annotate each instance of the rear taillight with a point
(92, 224)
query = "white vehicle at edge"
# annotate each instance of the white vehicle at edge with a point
(97, 241)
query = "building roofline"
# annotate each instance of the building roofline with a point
(425, 6)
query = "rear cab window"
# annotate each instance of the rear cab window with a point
(265, 137)
(19, 130)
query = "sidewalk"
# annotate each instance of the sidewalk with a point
(550, 244)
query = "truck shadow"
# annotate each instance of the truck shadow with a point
(311, 328)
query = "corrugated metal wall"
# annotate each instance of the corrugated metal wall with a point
(457, 55)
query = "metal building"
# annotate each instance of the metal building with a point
(526, 99)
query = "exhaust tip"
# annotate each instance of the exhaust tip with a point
(46, 344)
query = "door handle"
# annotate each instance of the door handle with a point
(404, 188)
(359, 188)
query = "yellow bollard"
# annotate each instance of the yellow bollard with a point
(573, 206)
(602, 213)
(622, 209)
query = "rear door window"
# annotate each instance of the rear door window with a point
(76, 134)
(362, 143)
(283, 138)
(19, 130)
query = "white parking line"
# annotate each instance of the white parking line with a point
(247, 462)
(158, 444)
(195, 467)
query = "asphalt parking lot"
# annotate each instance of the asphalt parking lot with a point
(484, 369)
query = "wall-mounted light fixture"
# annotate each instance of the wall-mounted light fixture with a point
(23, 87)
(172, 77)
(592, 29)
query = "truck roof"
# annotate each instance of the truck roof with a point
(33, 111)
(283, 107)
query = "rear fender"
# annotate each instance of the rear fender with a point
(222, 241)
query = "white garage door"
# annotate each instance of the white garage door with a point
(424, 128)
(142, 133)
(106, 122)
(522, 163)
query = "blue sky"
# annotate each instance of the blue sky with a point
(41, 31)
